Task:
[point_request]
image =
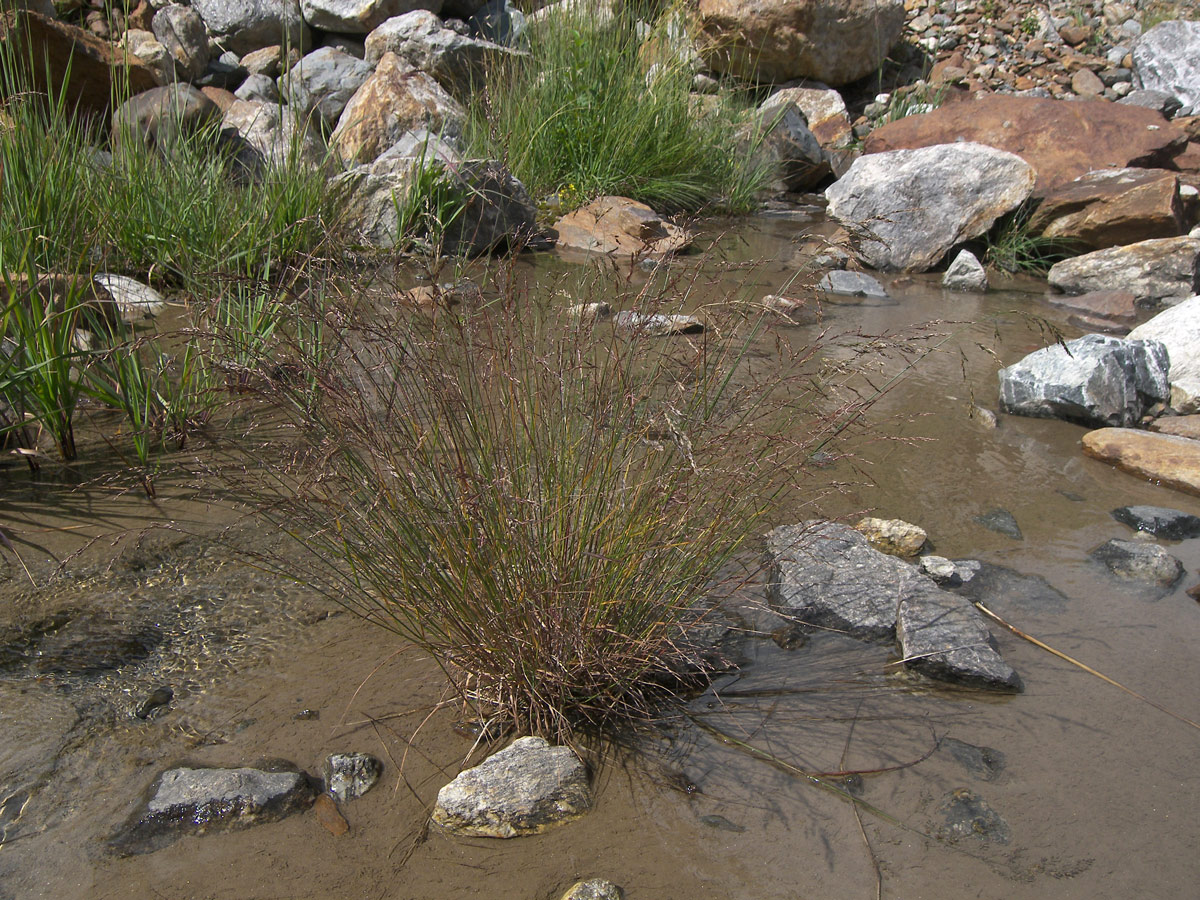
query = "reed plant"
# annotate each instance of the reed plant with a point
(604, 106)
(544, 505)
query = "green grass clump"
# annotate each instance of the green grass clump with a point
(597, 107)
(1014, 246)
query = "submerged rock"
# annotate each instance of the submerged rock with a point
(1172, 524)
(1095, 380)
(1000, 588)
(1139, 561)
(856, 284)
(200, 801)
(984, 763)
(350, 775)
(968, 816)
(527, 788)
(1002, 522)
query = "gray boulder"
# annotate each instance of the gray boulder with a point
(371, 201)
(1140, 561)
(202, 801)
(908, 207)
(181, 30)
(1095, 380)
(779, 136)
(457, 61)
(1178, 329)
(258, 88)
(1160, 521)
(827, 575)
(966, 273)
(1167, 58)
(527, 788)
(359, 16)
(161, 115)
(270, 136)
(1163, 270)
(855, 284)
(1160, 102)
(247, 25)
(322, 83)
(416, 146)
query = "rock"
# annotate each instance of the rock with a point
(225, 72)
(1139, 561)
(1172, 524)
(223, 98)
(370, 204)
(419, 38)
(1095, 380)
(778, 136)
(441, 296)
(133, 300)
(985, 763)
(946, 572)
(527, 788)
(181, 30)
(793, 310)
(589, 313)
(1000, 589)
(271, 136)
(92, 643)
(1178, 329)
(855, 284)
(1163, 270)
(1168, 460)
(620, 227)
(780, 40)
(1181, 426)
(161, 115)
(202, 801)
(330, 816)
(499, 22)
(1112, 208)
(1167, 58)
(258, 89)
(95, 66)
(1163, 104)
(1001, 521)
(1118, 308)
(967, 816)
(966, 273)
(264, 62)
(893, 536)
(823, 109)
(350, 775)
(416, 147)
(827, 576)
(498, 211)
(159, 698)
(392, 101)
(911, 206)
(944, 637)
(596, 889)
(322, 83)
(657, 324)
(1061, 140)
(1085, 83)
(247, 25)
(359, 16)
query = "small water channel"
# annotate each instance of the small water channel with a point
(1069, 789)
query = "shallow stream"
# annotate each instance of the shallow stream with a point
(1070, 789)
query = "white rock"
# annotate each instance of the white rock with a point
(966, 273)
(1178, 329)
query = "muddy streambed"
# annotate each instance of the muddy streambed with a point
(1069, 789)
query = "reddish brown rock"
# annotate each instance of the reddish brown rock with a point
(1165, 459)
(1086, 83)
(223, 98)
(1062, 140)
(330, 816)
(59, 48)
(621, 227)
(1182, 426)
(1115, 307)
(1112, 208)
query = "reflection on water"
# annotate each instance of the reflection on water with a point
(1070, 789)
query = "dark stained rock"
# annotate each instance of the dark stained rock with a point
(968, 816)
(1002, 522)
(498, 211)
(1000, 589)
(1112, 208)
(1160, 521)
(985, 763)
(944, 637)
(200, 801)
(1060, 139)
(1165, 459)
(1140, 561)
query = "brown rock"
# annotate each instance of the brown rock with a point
(330, 816)
(264, 62)
(1154, 271)
(1165, 459)
(619, 226)
(223, 98)
(59, 48)
(140, 17)
(1087, 83)
(1061, 140)
(1116, 307)
(834, 41)
(1182, 426)
(1189, 160)
(1075, 34)
(1112, 208)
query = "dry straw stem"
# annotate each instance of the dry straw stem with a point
(542, 505)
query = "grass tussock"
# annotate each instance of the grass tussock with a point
(544, 506)
(602, 105)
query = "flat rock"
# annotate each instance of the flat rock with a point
(527, 788)
(1139, 561)
(1165, 270)
(621, 227)
(1160, 521)
(1178, 329)
(909, 207)
(657, 324)
(832, 41)
(202, 801)
(853, 284)
(1060, 139)
(1095, 380)
(1167, 58)
(359, 16)
(944, 637)
(1181, 426)
(1112, 208)
(966, 815)
(1165, 459)
(1112, 307)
